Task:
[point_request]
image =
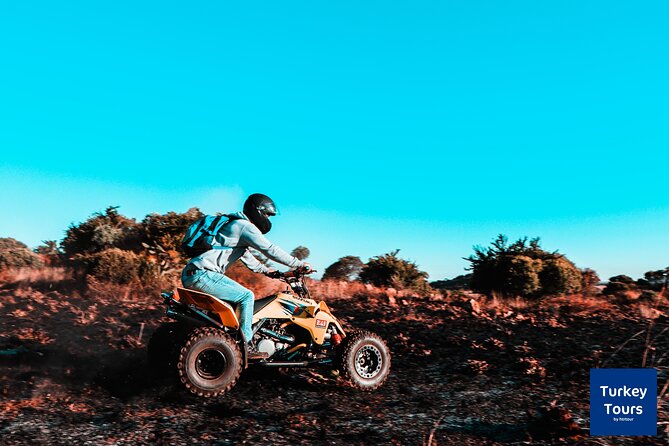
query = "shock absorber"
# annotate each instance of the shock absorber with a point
(333, 336)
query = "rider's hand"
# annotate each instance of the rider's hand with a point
(307, 267)
(274, 274)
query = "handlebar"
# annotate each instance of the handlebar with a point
(296, 273)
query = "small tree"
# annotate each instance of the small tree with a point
(654, 280)
(389, 270)
(519, 275)
(619, 285)
(622, 278)
(301, 252)
(346, 268)
(589, 281)
(522, 268)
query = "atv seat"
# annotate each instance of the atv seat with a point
(259, 304)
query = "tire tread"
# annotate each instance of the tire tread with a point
(195, 336)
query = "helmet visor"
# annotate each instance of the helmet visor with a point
(268, 210)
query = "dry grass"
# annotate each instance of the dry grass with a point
(29, 276)
(500, 303)
(344, 289)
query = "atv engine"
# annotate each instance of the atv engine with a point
(272, 338)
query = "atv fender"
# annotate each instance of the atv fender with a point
(208, 302)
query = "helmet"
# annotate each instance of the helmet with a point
(258, 208)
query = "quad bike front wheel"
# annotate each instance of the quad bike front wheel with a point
(364, 360)
(210, 362)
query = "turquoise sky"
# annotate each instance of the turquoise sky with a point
(424, 126)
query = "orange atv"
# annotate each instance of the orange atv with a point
(292, 330)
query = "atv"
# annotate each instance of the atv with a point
(208, 350)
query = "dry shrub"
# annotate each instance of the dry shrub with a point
(332, 288)
(116, 266)
(573, 304)
(649, 312)
(19, 257)
(579, 305)
(121, 267)
(103, 290)
(500, 303)
(35, 335)
(532, 367)
(627, 297)
(649, 296)
(476, 366)
(134, 291)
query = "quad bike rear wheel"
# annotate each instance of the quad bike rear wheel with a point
(210, 362)
(364, 360)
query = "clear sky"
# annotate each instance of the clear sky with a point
(425, 126)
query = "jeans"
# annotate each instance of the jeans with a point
(225, 289)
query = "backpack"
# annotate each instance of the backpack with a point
(201, 235)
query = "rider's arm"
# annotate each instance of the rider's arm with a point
(253, 264)
(251, 236)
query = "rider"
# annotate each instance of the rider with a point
(244, 230)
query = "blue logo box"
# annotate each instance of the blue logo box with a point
(623, 402)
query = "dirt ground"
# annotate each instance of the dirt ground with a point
(74, 371)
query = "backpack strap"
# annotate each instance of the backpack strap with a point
(213, 227)
(217, 226)
(195, 233)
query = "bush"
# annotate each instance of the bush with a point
(654, 280)
(14, 254)
(345, 269)
(389, 270)
(100, 232)
(622, 279)
(10, 243)
(461, 282)
(522, 269)
(619, 285)
(121, 267)
(589, 280)
(559, 276)
(519, 275)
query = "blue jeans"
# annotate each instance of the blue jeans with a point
(225, 289)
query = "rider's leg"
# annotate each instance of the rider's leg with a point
(225, 289)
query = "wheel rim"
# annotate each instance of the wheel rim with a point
(210, 363)
(368, 361)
